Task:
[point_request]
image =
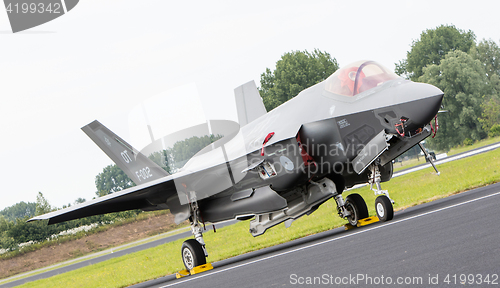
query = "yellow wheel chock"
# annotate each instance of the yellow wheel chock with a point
(195, 270)
(363, 222)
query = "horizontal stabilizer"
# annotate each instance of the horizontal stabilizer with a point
(138, 167)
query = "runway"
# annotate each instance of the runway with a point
(441, 243)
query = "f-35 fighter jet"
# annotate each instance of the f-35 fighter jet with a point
(282, 164)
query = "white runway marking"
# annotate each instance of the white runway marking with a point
(328, 241)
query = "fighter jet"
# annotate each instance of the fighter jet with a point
(280, 165)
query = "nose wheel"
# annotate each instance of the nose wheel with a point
(384, 209)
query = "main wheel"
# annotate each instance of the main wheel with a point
(384, 209)
(192, 254)
(355, 204)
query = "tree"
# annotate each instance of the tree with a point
(6, 242)
(175, 157)
(112, 179)
(184, 150)
(491, 113)
(79, 200)
(34, 231)
(161, 158)
(19, 210)
(488, 52)
(294, 72)
(463, 81)
(432, 47)
(42, 205)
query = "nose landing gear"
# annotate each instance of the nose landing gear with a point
(383, 203)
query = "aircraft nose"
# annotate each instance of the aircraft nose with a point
(423, 109)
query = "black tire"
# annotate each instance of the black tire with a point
(384, 209)
(192, 254)
(355, 204)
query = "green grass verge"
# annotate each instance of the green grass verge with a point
(408, 190)
(453, 151)
(478, 144)
(409, 163)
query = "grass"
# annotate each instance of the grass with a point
(408, 190)
(409, 163)
(453, 151)
(478, 144)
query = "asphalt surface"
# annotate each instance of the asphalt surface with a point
(437, 244)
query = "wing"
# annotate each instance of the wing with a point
(154, 195)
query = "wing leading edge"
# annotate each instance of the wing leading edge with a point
(154, 195)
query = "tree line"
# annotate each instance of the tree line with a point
(14, 229)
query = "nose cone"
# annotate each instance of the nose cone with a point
(424, 105)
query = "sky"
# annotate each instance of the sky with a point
(104, 59)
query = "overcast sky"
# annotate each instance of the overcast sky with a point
(104, 58)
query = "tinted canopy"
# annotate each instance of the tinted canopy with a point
(358, 77)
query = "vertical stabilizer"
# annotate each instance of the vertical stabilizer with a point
(249, 104)
(138, 167)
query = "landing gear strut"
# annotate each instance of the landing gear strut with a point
(193, 251)
(383, 203)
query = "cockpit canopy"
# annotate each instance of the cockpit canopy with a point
(358, 77)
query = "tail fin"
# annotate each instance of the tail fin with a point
(249, 104)
(138, 167)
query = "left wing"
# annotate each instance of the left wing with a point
(154, 195)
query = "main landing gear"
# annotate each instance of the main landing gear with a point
(353, 208)
(193, 251)
(356, 206)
